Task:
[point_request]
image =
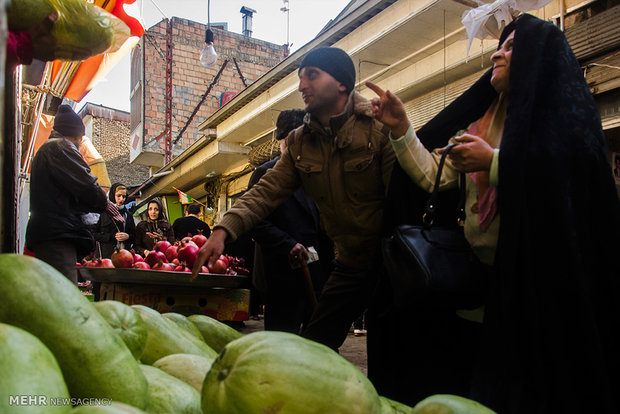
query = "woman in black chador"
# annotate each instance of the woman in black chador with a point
(542, 213)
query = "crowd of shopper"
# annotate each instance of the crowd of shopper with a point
(542, 216)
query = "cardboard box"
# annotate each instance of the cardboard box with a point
(223, 304)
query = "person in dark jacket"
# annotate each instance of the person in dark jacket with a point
(62, 190)
(288, 231)
(190, 224)
(110, 234)
(153, 229)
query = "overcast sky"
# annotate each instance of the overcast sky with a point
(307, 18)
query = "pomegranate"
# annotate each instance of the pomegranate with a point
(153, 257)
(204, 269)
(105, 263)
(175, 262)
(187, 238)
(181, 268)
(219, 267)
(171, 252)
(122, 258)
(136, 257)
(199, 239)
(162, 245)
(225, 259)
(141, 265)
(160, 265)
(187, 253)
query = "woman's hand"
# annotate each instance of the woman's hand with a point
(389, 109)
(473, 154)
(120, 236)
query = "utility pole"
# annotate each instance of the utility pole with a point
(287, 10)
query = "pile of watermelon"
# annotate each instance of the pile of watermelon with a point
(60, 353)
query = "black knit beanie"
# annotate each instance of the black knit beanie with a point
(334, 61)
(68, 123)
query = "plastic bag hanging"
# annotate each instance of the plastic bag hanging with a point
(488, 19)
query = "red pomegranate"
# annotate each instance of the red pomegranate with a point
(122, 258)
(141, 265)
(199, 239)
(160, 265)
(224, 259)
(204, 269)
(136, 257)
(171, 252)
(182, 268)
(219, 267)
(162, 245)
(187, 253)
(107, 263)
(153, 257)
(187, 238)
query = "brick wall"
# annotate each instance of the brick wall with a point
(191, 80)
(111, 138)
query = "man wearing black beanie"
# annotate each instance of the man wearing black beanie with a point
(62, 190)
(343, 158)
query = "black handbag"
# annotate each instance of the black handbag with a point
(434, 267)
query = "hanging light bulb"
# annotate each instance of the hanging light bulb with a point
(208, 57)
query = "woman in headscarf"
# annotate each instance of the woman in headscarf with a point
(110, 234)
(153, 229)
(535, 156)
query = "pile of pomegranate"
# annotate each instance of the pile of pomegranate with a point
(165, 256)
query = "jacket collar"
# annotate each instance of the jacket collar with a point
(356, 105)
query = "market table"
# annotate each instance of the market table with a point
(223, 297)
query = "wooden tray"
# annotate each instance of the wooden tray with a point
(155, 277)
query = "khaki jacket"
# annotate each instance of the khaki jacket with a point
(345, 170)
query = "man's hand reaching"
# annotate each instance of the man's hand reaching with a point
(112, 210)
(211, 250)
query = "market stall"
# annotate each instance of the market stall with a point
(222, 297)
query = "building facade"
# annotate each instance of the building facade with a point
(418, 49)
(108, 130)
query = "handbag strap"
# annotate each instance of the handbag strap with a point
(431, 204)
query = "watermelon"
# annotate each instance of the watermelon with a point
(389, 406)
(168, 394)
(183, 323)
(279, 372)
(94, 360)
(126, 322)
(29, 370)
(191, 369)
(214, 332)
(24, 14)
(113, 408)
(164, 337)
(450, 404)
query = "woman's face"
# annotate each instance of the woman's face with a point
(120, 196)
(500, 79)
(153, 211)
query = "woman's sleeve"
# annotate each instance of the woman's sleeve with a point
(130, 229)
(138, 246)
(169, 233)
(421, 165)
